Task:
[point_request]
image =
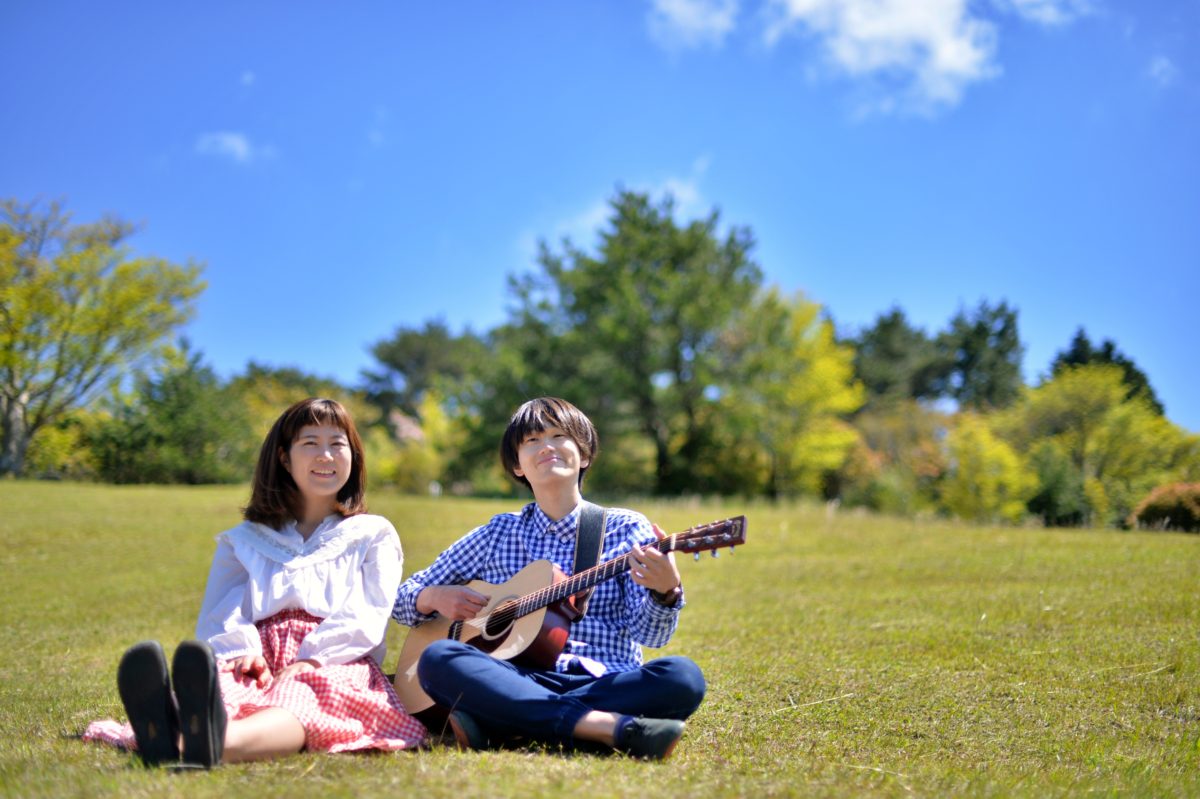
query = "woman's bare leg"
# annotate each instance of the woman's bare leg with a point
(271, 732)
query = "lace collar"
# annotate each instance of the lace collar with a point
(287, 546)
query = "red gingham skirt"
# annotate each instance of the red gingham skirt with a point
(342, 708)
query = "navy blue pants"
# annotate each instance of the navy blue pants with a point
(507, 699)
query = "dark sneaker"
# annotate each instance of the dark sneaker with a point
(467, 732)
(201, 712)
(650, 739)
(146, 693)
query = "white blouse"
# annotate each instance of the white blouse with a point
(346, 573)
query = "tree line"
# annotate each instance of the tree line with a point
(702, 378)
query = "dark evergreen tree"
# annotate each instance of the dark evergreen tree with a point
(415, 360)
(1082, 353)
(896, 361)
(981, 355)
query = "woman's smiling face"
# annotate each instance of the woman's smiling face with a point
(319, 461)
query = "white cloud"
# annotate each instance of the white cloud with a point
(689, 200)
(902, 55)
(683, 24)
(1162, 71)
(1048, 12)
(237, 147)
(920, 55)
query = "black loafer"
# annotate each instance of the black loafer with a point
(650, 739)
(146, 693)
(202, 718)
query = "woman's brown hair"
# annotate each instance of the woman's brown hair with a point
(275, 499)
(538, 414)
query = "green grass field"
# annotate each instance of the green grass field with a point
(846, 655)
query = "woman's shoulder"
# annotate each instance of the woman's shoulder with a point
(250, 538)
(244, 531)
(366, 524)
(362, 530)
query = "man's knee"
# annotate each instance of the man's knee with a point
(440, 660)
(682, 678)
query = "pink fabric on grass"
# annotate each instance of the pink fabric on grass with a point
(343, 708)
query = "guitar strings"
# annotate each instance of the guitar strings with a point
(510, 610)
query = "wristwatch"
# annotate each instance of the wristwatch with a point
(669, 599)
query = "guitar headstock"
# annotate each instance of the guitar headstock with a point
(712, 536)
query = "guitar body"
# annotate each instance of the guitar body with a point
(533, 640)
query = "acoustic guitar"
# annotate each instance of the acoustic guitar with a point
(528, 618)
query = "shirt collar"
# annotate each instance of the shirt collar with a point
(564, 529)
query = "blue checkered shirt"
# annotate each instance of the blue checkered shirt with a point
(621, 616)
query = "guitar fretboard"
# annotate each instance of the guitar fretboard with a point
(712, 536)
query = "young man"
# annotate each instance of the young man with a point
(599, 690)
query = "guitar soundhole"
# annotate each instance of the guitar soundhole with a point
(500, 620)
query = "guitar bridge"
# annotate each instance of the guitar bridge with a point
(455, 631)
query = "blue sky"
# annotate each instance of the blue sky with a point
(346, 168)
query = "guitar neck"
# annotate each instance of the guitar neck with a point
(705, 537)
(584, 580)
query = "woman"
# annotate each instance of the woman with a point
(292, 624)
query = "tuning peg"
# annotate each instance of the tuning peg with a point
(696, 556)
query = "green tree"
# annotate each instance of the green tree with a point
(77, 310)
(416, 360)
(896, 361)
(180, 426)
(1058, 498)
(981, 354)
(1081, 352)
(987, 480)
(630, 333)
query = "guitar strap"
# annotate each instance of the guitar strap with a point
(588, 543)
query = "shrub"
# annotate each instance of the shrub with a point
(1175, 506)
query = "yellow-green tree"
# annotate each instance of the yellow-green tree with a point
(1116, 446)
(76, 311)
(266, 391)
(60, 450)
(414, 458)
(987, 480)
(793, 390)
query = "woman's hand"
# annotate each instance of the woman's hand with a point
(456, 602)
(249, 668)
(653, 569)
(299, 667)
